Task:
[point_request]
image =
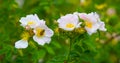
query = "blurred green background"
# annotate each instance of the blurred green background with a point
(104, 48)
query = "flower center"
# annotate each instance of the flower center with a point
(31, 22)
(69, 25)
(40, 32)
(88, 24)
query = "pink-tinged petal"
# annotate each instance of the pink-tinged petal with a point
(47, 39)
(39, 40)
(42, 40)
(83, 16)
(48, 32)
(102, 26)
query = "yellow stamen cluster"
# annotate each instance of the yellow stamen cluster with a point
(69, 25)
(88, 24)
(31, 22)
(40, 32)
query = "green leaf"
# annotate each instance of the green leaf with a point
(56, 44)
(50, 50)
(38, 54)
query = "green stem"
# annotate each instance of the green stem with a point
(69, 52)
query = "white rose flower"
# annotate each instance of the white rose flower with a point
(92, 22)
(30, 21)
(69, 22)
(21, 44)
(43, 34)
